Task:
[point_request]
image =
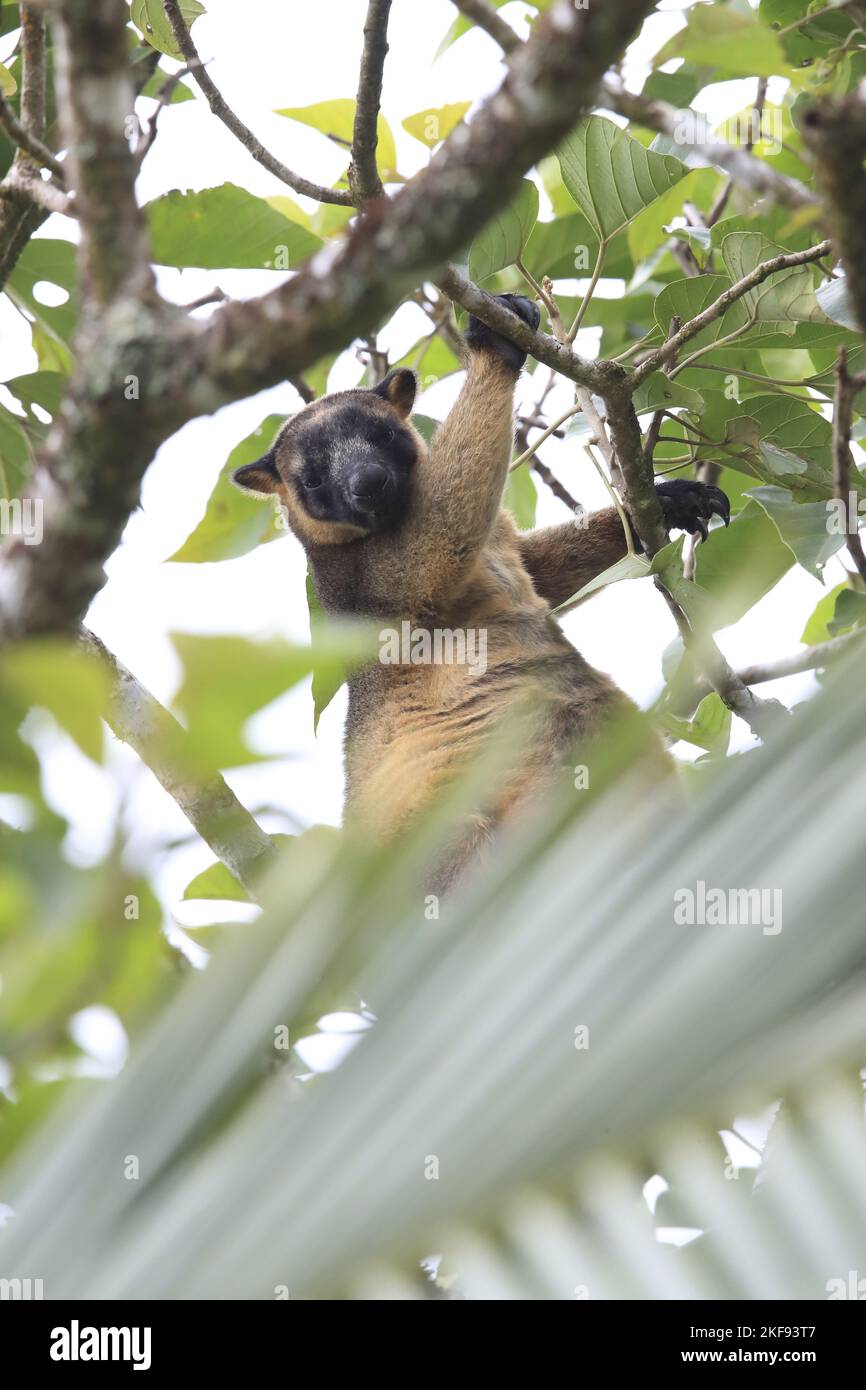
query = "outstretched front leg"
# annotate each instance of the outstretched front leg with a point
(460, 485)
(561, 559)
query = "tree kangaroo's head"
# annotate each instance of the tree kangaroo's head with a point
(342, 467)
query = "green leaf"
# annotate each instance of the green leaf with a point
(338, 649)
(152, 87)
(612, 177)
(658, 392)
(817, 628)
(435, 122)
(501, 241)
(740, 563)
(786, 297)
(710, 728)
(225, 228)
(216, 882)
(14, 454)
(235, 523)
(521, 497)
(150, 20)
(8, 85)
(850, 612)
(731, 42)
(71, 684)
(802, 526)
(685, 299)
(226, 680)
(649, 230)
(45, 259)
(336, 119)
(432, 359)
(629, 567)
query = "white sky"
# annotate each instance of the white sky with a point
(264, 55)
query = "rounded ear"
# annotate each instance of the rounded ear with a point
(398, 389)
(259, 477)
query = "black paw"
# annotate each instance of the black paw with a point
(478, 335)
(688, 506)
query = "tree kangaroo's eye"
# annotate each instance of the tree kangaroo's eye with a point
(311, 482)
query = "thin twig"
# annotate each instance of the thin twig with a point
(656, 359)
(209, 804)
(492, 23)
(221, 109)
(364, 181)
(27, 142)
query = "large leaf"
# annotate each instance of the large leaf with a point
(740, 563)
(235, 523)
(47, 260)
(731, 42)
(789, 296)
(149, 18)
(612, 177)
(225, 227)
(501, 241)
(802, 526)
(541, 1149)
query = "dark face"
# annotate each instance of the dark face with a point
(343, 466)
(350, 463)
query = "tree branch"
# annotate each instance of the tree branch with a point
(211, 807)
(27, 142)
(835, 132)
(692, 131)
(843, 417)
(94, 93)
(364, 181)
(810, 659)
(492, 23)
(221, 109)
(669, 349)
(90, 473)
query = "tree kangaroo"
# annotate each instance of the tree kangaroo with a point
(416, 535)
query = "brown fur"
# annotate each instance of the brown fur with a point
(457, 561)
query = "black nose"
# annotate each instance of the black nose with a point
(368, 482)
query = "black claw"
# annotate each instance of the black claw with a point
(478, 335)
(688, 505)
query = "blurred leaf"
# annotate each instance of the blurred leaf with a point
(436, 122)
(732, 43)
(521, 497)
(850, 612)
(226, 680)
(225, 228)
(817, 628)
(8, 85)
(71, 684)
(709, 728)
